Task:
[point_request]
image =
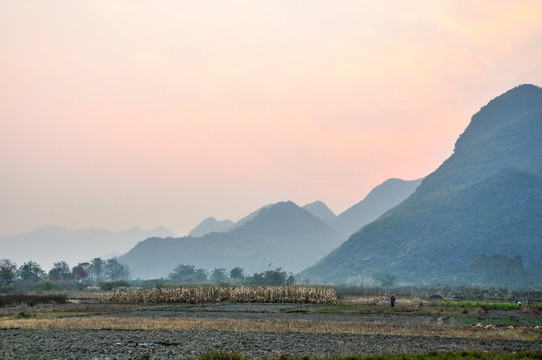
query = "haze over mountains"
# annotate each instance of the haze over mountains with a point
(54, 243)
(211, 225)
(279, 235)
(282, 235)
(476, 219)
(382, 198)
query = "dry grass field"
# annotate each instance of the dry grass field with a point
(360, 325)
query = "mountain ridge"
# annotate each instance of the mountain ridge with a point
(465, 210)
(210, 225)
(282, 234)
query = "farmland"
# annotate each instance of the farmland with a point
(89, 328)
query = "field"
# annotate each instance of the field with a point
(85, 327)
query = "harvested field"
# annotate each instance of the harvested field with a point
(164, 331)
(118, 344)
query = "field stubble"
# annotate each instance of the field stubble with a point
(362, 326)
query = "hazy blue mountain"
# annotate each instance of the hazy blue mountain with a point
(281, 235)
(249, 217)
(476, 219)
(379, 200)
(211, 225)
(53, 243)
(321, 211)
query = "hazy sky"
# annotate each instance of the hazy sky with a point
(121, 113)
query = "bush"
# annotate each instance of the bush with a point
(31, 300)
(110, 285)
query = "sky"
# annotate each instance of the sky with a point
(149, 113)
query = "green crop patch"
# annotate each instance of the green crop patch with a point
(490, 305)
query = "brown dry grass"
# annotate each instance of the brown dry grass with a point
(248, 325)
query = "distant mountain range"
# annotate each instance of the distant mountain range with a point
(382, 198)
(379, 200)
(311, 230)
(54, 243)
(282, 235)
(211, 225)
(279, 235)
(321, 211)
(476, 220)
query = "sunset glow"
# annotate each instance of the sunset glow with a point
(122, 113)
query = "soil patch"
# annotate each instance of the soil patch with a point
(113, 344)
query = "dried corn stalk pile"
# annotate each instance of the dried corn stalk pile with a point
(214, 294)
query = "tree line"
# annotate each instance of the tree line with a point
(110, 273)
(85, 273)
(236, 276)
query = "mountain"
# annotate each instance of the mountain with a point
(54, 243)
(476, 220)
(249, 217)
(321, 211)
(379, 200)
(211, 225)
(281, 235)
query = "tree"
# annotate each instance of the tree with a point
(182, 272)
(8, 272)
(97, 268)
(290, 280)
(201, 275)
(237, 274)
(275, 277)
(187, 273)
(218, 276)
(116, 271)
(31, 271)
(80, 272)
(60, 271)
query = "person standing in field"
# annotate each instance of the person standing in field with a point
(392, 301)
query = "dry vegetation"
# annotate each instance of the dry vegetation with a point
(214, 294)
(93, 315)
(276, 326)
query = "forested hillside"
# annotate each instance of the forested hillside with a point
(479, 211)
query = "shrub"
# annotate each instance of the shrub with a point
(31, 300)
(110, 285)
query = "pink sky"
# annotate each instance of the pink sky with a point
(121, 113)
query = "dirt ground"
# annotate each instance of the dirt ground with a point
(138, 344)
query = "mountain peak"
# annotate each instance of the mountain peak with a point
(320, 210)
(484, 201)
(502, 111)
(211, 225)
(282, 234)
